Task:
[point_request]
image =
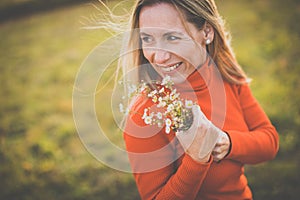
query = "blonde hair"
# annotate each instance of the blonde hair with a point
(197, 12)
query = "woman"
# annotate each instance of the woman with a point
(186, 41)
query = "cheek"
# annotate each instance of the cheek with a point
(196, 55)
(189, 55)
(186, 50)
(147, 54)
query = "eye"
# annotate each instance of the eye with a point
(172, 38)
(147, 39)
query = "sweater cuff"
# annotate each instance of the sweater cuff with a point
(192, 165)
(230, 145)
(235, 148)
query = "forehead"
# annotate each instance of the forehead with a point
(162, 16)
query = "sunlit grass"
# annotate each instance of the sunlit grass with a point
(40, 57)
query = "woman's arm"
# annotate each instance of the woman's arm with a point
(261, 142)
(169, 182)
(158, 171)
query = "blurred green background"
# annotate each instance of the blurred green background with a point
(41, 49)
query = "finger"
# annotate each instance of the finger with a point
(208, 144)
(217, 152)
(217, 158)
(197, 110)
(222, 140)
(219, 142)
(219, 149)
(197, 115)
(185, 138)
(220, 152)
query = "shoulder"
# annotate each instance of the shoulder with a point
(244, 95)
(241, 89)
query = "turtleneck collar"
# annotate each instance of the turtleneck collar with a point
(199, 79)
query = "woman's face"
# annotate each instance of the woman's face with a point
(171, 47)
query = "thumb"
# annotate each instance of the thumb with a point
(197, 114)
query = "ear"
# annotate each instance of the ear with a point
(208, 33)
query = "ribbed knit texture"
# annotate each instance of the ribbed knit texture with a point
(163, 171)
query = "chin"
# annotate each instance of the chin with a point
(178, 80)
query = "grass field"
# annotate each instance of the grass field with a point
(41, 154)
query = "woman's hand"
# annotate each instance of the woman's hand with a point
(201, 138)
(222, 147)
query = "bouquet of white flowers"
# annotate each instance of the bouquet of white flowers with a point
(172, 112)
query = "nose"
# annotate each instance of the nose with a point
(160, 56)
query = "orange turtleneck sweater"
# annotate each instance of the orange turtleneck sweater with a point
(161, 168)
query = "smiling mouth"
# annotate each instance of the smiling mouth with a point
(171, 68)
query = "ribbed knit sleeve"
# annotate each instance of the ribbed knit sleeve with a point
(159, 174)
(167, 183)
(260, 142)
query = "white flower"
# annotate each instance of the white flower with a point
(166, 80)
(172, 97)
(159, 124)
(131, 90)
(176, 119)
(152, 94)
(188, 103)
(143, 87)
(121, 107)
(145, 113)
(161, 102)
(154, 99)
(159, 115)
(177, 103)
(126, 111)
(166, 98)
(122, 110)
(174, 91)
(148, 120)
(167, 129)
(162, 90)
(160, 99)
(168, 122)
(151, 114)
(175, 95)
(170, 107)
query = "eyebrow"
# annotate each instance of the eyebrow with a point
(165, 34)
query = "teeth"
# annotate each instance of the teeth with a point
(169, 69)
